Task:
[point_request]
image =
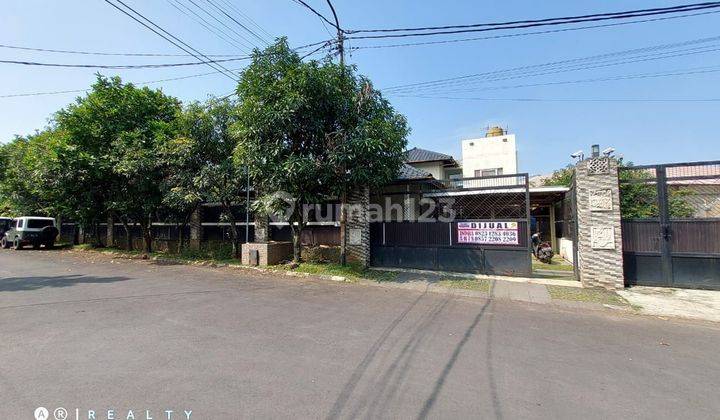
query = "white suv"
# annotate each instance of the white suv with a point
(31, 230)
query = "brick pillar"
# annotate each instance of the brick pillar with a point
(262, 228)
(599, 231)
(357, 238)
(110, 235)
(196, 232)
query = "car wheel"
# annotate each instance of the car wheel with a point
(4, 243)
(17, 245)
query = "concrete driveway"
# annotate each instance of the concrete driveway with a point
(84, 333)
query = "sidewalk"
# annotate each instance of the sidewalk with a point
(684, 303)
(567, 293)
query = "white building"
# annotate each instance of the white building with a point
(494, 154)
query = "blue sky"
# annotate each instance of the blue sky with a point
(643, 132)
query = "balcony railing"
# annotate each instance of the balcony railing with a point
(499, 182)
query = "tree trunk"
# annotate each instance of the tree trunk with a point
(297, 240)
(233, 229)
(98, 241)
(128, 236)
(343, 227)
(181, 237)
(146, 227)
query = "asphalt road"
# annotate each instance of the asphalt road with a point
(86, 333)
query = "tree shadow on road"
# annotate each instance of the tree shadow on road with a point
(26, 283)
(440, 382)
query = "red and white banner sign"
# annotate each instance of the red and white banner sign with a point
(491, 233)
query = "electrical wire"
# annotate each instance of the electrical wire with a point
(605, 57)
(548, 22)
(436, 89)
(683, 72)
(50, 50)
(567, 99)
(211, 28)
(522, 34)
(58, 92)
(120, 66)
(475, 25)
(238, 22)
(247, 18)
(318, 14)
(218, 67)
(225, 25)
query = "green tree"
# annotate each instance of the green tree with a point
(204, 170)
(29, 183)
(111, 137)
(639, 199)
(312, 130)
(562, 177)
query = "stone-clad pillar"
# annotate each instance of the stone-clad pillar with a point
(262, 228)
(599, 230)
(357, 238)
(196, 232)
(110, 235)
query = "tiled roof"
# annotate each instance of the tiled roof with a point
(408, 172)
(421, 155)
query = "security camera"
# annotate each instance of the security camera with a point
(578, 155)
(609, 151)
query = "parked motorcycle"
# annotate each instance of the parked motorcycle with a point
(542, 250)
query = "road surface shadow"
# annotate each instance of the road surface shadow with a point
(18, 284)
(365, 363)
(440, 382)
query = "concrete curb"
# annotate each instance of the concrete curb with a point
(413, 286)
(531, 280)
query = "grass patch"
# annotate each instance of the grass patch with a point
(350, 271)
(218, 253)
(557, 263)
(480, 285)
(586, 295)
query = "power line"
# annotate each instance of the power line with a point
(684, 72)
(247, 18)
(121, 54)
(546, 22)
(59, 92)
(225, 25)
(439, 88)
(561, 63)
(236, 21)
(567, 99)
(218, 32)
(517, 22)
(222, 69)
(522, 34)
(120, 66)
(318, 14)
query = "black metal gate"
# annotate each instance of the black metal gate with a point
(478, 225)
(671, 224)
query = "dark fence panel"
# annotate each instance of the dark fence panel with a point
(698, 236)
(641, 236)
(311, 236)
(671, 224)
(434, 246)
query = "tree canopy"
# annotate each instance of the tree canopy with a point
(312, 129)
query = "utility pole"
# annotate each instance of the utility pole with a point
(247, 205)
(343, 195)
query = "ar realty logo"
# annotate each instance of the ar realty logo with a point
(60, 413)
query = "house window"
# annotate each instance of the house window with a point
(489, 172)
